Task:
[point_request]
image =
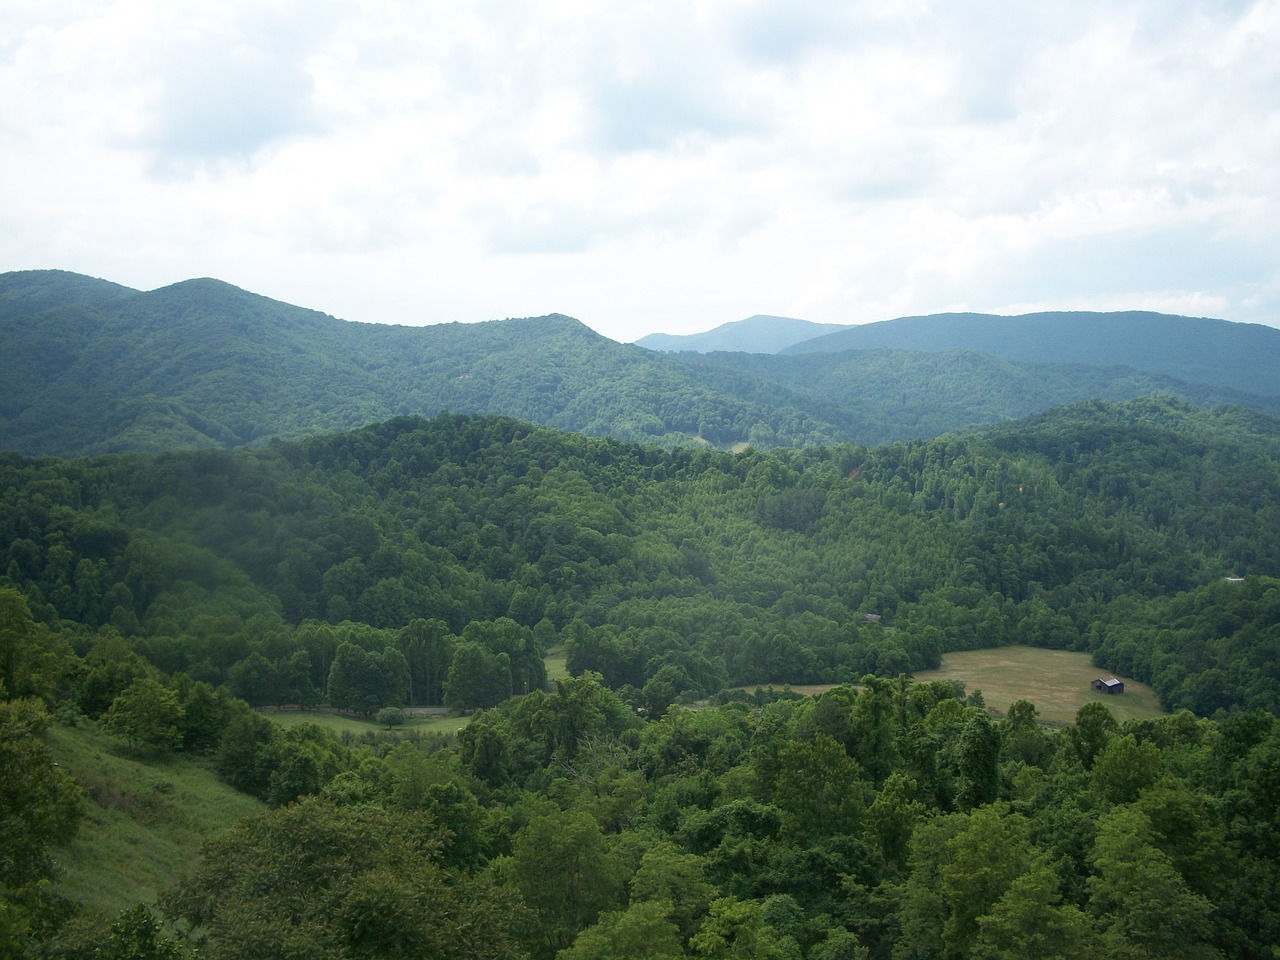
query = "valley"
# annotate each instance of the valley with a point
(292, 662)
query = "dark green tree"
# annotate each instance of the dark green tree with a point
(320, 881)
(566, 875)
(147, 713)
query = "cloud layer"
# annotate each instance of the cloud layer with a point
(660, 166)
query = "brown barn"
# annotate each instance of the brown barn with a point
(1108, 685)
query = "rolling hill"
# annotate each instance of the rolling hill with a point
(1218, 353)
(758, 334)
(93, 367)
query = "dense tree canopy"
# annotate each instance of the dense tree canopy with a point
(364, 567)
(643, 804)
(204, 364)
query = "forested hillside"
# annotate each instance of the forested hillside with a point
(1233, 356)
(160, 598)
(694, 568)
(93, 367)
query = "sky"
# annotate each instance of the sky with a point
(652, 166)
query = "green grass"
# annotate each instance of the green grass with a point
(145, 818)
(1056, 681)
(557, 664)
(346, 722)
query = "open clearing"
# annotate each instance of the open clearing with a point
(339, 722)
(557, 667)
(1056, 681)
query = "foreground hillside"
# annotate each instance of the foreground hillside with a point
(145, 817)
(152, 602)
(94, 367)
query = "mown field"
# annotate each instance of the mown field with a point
(1056, 681)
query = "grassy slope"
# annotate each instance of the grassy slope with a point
(145, 818)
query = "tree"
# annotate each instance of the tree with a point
(363, 681)
(244, 752)
(295, 684)
(641, 932)
(562, 866)
(1094, 726)
(147, 713)
(255, 680)
(391, 717)
(1029, 922)
(477, 678)
(892, 817)
(40, 806)
(1123, 768)
(819, 788)
(427, 646)
(978, 761)
(736, 930)
(676, 879)
(31, 662)
(135, 935)
(871, 729)
(1139, 898)
(983, 860)
(333, 883)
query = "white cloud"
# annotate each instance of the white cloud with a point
(652, 166)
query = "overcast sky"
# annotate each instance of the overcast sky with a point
(660, 166)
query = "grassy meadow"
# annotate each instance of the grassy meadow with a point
(339, 723)
(145, 818)
(1056, 681)
(557, 665)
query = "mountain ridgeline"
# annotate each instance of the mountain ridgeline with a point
(94, 367)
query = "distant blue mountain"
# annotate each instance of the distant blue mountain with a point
(1236, 356)
(758, 334)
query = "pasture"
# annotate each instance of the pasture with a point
(1056, 681)
(339, 723)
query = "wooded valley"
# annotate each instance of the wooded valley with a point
(669, 797)
(324, 640)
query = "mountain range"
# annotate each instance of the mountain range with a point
(759, 334)
(92, 366)
(1241, 356)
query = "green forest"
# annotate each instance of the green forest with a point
(205, 364)
(669, 797)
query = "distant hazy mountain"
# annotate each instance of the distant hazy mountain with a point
(758, 334)
(1219, 353)
(90, 366)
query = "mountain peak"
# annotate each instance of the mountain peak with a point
(760, 333)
